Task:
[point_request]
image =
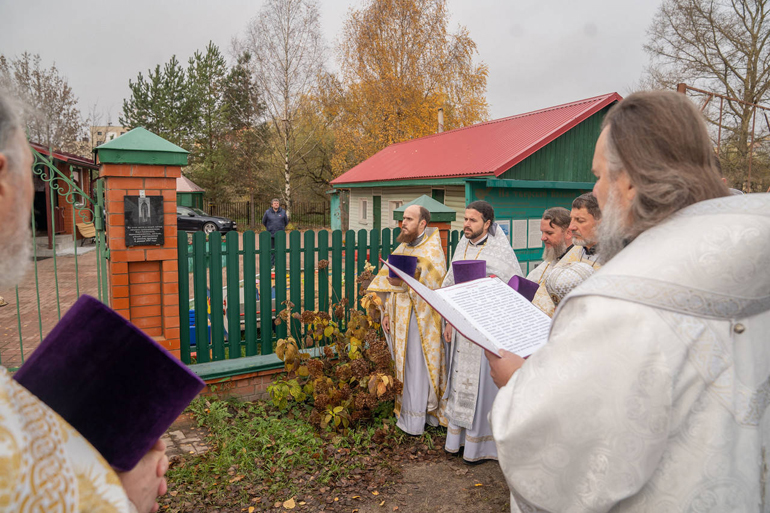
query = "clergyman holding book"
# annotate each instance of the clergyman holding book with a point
(651, 393)
(470, 389)
(412, 328)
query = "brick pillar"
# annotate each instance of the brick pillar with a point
(143, 280)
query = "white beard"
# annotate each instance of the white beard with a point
(15, 253)
(612, 230)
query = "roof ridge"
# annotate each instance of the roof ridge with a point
(593, 99)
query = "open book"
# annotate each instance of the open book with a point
(487, 312)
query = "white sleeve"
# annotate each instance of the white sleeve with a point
(583, 424)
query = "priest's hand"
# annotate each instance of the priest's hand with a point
(396, 282)
(386, 324)
(145, 482)
(448, 333)
(503, 366)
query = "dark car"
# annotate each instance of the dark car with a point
(193, 219)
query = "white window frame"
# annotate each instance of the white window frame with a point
(363, 210)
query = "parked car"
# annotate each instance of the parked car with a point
(193, 219)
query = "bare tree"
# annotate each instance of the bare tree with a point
(288, 58)
(719, 46)
(51, 111)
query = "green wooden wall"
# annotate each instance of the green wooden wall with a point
(514, 204)
(567, 159)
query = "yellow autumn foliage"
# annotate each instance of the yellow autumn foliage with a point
(399, 63)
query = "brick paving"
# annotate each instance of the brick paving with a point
(185, 437)
(10, 352)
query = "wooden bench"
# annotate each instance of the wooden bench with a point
(87, 231)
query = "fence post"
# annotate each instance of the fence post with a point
(295, 281)
(323, 274)
(337, 268)
(265, 293)
(215, 289)
(201, 306)
(362, 258)
(184, 298)
(144, 277)
(250, 292)
(309, 270)
(233, 296)
(374, 249)
(350, 271)
(280, 280)
(385, 244)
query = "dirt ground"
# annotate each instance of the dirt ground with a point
(440, 484)
(444, 486)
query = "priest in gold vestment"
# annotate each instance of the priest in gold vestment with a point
(412, 328)
(45, 464)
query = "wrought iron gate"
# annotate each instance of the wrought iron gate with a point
(61, 274)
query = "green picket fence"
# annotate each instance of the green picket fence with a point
(225, 273)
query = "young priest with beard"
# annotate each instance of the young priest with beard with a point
(470, 390)
(412, 328)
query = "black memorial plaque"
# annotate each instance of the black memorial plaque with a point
(143, 220)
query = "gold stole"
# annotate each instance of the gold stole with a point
(431, 268)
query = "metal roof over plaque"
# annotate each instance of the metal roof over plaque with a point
(140, 146)
(438, 211)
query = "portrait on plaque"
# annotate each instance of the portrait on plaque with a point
(143, 220)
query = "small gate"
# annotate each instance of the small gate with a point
(69, 198)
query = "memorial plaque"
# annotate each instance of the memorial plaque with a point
(143, 220)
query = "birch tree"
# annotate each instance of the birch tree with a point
(288, 58)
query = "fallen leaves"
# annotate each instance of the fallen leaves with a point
(290, 504)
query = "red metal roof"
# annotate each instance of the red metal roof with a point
(69, 158)
(489, 148)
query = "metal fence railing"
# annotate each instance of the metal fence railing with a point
(304, 215)
(226, 283)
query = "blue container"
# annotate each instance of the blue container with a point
(192, 328)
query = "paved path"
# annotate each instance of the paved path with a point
(10, 352)
(185, 437)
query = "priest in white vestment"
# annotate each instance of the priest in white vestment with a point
(470, 389)
(651, 394)
(412, 328)
(557, 241)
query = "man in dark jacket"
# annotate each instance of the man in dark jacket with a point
(274, 220)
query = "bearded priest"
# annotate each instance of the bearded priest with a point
(557, 241)
(412, 328)
(470, 389)
(652, 391)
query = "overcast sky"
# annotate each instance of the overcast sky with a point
(540, 53)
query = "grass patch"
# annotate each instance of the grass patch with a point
(260, 455)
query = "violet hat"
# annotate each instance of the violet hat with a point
(467, 270)
(114, 384)
(405, 263)
(523, 286)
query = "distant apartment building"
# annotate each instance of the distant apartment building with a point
(103, 134)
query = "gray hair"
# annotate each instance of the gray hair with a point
(660, 140)
(9, 124)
